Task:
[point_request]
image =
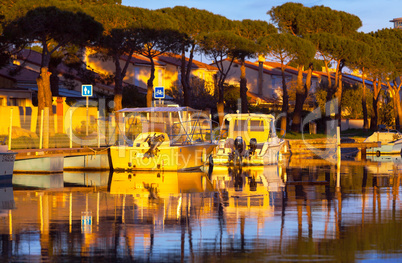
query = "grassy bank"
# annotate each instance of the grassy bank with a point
(352, 133)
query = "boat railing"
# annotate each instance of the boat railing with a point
(192, 131)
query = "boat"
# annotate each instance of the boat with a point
(391, 142)
(163, 138)
(258, 130)
(7, 159)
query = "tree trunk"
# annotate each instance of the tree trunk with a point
(374, 119)
(185, 77)
(364, 104)
(301, 95)
(44, 101)
(243, 88)
(339, 88)
(150, 84)
(221, 112)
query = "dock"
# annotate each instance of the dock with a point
(307, 147)
(57, 160)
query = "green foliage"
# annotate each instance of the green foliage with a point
(50, 23)
(299, 20)
(351, 101)
(231, 96)
(386, 113)
(132, 97)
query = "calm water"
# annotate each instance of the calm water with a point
(282, 213)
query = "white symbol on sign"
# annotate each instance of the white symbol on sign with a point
(86, 90)
(159, 92)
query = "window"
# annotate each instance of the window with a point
(136, 76)
(257, 125)
(240, 125)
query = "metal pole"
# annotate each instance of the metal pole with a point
(87, 118)
(97, 124)
(41, 130)
(11, 129)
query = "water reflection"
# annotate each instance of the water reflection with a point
(288, 212)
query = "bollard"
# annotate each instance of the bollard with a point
(11, 129)
(41, 130)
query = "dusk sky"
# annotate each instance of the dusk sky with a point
(374, 14)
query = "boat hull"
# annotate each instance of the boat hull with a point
(270, 155)
(387, 148)
(168, 158)
(7, 160)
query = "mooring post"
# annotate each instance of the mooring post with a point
(41, 130)
(338, 151)
(10, 132)
(363, 153)
(71, 128)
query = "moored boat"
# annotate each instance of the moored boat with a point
(7, 159)
(163, 138)
(391, 142)
(258, 130)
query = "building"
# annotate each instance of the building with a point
(167, 70)
(397, 22)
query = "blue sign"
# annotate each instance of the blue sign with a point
(86, 90)
(159, 93)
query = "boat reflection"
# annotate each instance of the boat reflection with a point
(6, 201)
(384, 165)
(158, 184)
(38, 181)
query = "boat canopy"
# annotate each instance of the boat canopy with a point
(159, 109)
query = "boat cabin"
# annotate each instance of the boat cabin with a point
(178, 125)
(248, 126)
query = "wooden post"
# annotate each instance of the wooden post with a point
(41, 130)
(338, 166)
(10, 132)
(71, 128)
(46, 127)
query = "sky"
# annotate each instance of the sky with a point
(374, 14)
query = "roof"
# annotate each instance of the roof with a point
(62, 92)
(255, 66)
(17, 73)
(248, 115)
(175, 59)
(288, 69)
(396, 19)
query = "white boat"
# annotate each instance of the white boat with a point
(7, 159)
(163, 138)
(391, 142)
(258, 130)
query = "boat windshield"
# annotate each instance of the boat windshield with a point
(181, 126)
(259, 127)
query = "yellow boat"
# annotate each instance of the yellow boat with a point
(257, 129)
(163, 138)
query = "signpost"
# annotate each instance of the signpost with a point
(159, 93)
(86, 91)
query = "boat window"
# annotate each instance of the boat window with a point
(240, 125)
(256, 125)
